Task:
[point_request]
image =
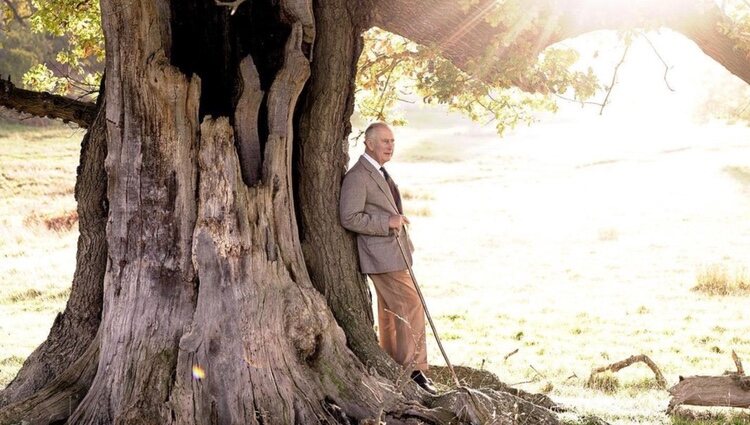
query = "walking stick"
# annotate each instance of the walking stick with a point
(427, 312)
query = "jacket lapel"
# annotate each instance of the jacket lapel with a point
(379, 180)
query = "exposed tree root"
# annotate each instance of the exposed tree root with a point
(476, 378)
(55, 402)
(488, 406)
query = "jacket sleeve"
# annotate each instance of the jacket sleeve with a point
(352, 209)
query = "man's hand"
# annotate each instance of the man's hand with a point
(396, 221)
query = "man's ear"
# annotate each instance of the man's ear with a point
(368, 144)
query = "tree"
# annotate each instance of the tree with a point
(213, 281)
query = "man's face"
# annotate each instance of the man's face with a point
(380, 146)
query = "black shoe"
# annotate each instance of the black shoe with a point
(423, 381)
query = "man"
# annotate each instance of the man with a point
(371, 207)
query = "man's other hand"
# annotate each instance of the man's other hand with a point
(396, 221)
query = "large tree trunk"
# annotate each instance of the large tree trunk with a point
(209, 314)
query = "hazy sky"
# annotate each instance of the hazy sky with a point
(640, 92)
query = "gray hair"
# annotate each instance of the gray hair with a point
(372, 128)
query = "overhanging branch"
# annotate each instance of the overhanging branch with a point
(42, 104)
(435, 23)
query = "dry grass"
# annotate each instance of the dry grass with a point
(605, 382)
(38, 224)
(419, 211)
(740, 173)
(718, 280)
(442, 151)
(511, 256)
(608, 234)
(58, 223)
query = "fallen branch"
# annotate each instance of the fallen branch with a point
(738, 363)
(507, 356)
(614, 367)
(43, 104)
(729, 390)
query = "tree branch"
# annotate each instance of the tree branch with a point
(434, 23)
(658, 55)
(15, 13)
(614, 78)
(43, 104)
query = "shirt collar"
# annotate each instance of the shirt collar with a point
(372, 161)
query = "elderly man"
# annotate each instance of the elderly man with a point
(371, 207)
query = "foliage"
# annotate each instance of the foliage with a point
(738, 26)
(70, 32)
(393, 68)
(80, 22)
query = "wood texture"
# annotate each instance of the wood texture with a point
(55, 401)
(728, 390)
(42, 104)
(246, 122)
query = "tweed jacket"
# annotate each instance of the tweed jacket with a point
(365, 207)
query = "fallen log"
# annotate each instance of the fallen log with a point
(731, 390)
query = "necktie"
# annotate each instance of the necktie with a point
(394, 190)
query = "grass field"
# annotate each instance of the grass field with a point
(38, 233)
(576, 244)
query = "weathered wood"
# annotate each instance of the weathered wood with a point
(614, 367)
(246, 122)
(55, 401)
(728, 390)
(149, 285)
(43, 104)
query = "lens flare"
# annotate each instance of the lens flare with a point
(198, 372)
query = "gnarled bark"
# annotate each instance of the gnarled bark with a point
(57, 399)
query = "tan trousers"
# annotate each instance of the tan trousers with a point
(401, 321)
